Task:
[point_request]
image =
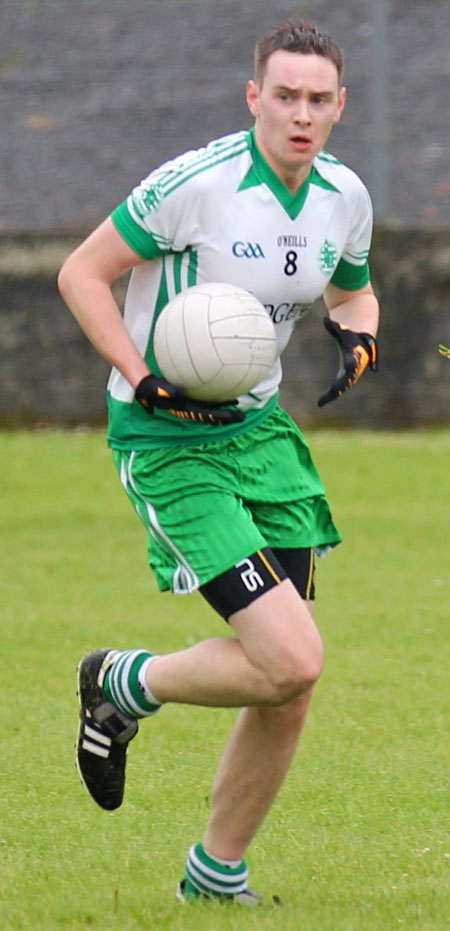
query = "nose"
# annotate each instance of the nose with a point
(302, 114)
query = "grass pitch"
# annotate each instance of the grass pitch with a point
(359, 839)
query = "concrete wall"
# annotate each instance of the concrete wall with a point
(50, 374)
(96, 93)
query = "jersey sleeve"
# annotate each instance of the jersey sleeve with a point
(352, 271)
(160, 214)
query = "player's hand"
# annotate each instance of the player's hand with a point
(154, 392)
(357, 351)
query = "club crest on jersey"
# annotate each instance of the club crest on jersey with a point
(247, 250)
(328, 257)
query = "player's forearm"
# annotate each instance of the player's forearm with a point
(92, 304)
(358, 312)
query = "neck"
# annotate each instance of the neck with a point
(293, 178)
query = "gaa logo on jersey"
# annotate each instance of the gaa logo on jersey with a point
(328, 257)
(247, 250)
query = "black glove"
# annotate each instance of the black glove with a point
(357, 351)
(154, 392)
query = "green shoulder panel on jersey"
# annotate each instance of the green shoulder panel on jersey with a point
(215, 153)
(140, 240)
(130, 216)
(351, 277)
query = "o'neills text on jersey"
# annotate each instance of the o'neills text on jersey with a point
(288, 241)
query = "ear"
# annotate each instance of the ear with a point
(342, 97)
(253, 98)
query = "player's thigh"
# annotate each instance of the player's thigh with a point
(278, 634)
(256, 574)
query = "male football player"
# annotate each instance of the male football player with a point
(232, 502)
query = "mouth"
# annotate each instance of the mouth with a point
(301, 142)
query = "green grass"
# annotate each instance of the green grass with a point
(359, 839)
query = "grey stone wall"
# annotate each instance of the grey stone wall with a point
(51, 375)
(96, 93)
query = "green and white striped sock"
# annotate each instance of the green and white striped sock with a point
(206, 874)
(125, 685)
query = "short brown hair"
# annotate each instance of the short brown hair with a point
(297, 36)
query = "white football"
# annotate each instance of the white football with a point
(216, 341)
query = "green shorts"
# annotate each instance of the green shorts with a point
(209, 506)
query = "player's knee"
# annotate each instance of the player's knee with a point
(296, 670)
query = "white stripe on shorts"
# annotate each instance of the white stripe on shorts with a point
(185, 579)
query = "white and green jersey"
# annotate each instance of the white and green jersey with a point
(221, 214)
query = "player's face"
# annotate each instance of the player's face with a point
(295, 110)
